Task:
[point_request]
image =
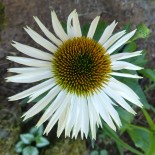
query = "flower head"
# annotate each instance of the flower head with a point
(77, 76)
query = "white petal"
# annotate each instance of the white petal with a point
(102, 111)
(109, 108)
(32, 52)
(62, 119)
(107, 32)
(42, 103)
(56, 115)
(93, 27)
(72, 116)
(113, 39)
(76, 26)
(29, 61)
(27, 69)
(92, 118)
(41, 91)
(30, 77)
(121, 56)
(77, 124)
(29, 91)
(126, 75)
(40, 40)
(58, 29)
(47, 32)
(52, 108)
(125, 92)
(69, 25)
(84, 118)
(118, 65)
(116, 97)
(121, 41)
(95, 113)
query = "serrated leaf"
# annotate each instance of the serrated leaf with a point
(149, 73)
(41, 142)
(142, 32)
(143, 138)
(27, 138)
(30, 150)
(19, 147)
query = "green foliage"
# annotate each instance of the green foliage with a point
(25, 145)
(143, 138)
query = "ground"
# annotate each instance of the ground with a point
(20, 13)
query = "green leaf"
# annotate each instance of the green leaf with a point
(142, 32)
(127, 27)
(37, 130)
(103, 152)
(131, 47)
(116, 138)
(27, 138)
(99, 30)
(19, 146)
(41, 142)
(143, 138)
(94, 153)
(126, 118)
(149, 73)
(30, 150)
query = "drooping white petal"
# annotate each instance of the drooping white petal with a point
(40, 40)
(63, 119)
(116, 97)
(92, 118)
(56, 115)
(121, 41)
(126, 75)
(52, 108)
(113, 39)
(41, 91)
(72, 116)
(124, 55)
(32, 52)
(29, 91)
(84, 118)
(30, 77)
(58, 29)
(118, 65)
(125, 92)
(27, 69)
(42, 103)
(76, 25)
(107, 104)
(69, 24)
(77, 124)
(47, 32)
(93, 27)
(29, 61)
(107, 32)
(102, 111)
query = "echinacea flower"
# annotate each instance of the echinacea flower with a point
(77, 76)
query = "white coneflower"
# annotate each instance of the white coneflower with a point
(78, 76)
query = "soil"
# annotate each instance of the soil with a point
(20, 13)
